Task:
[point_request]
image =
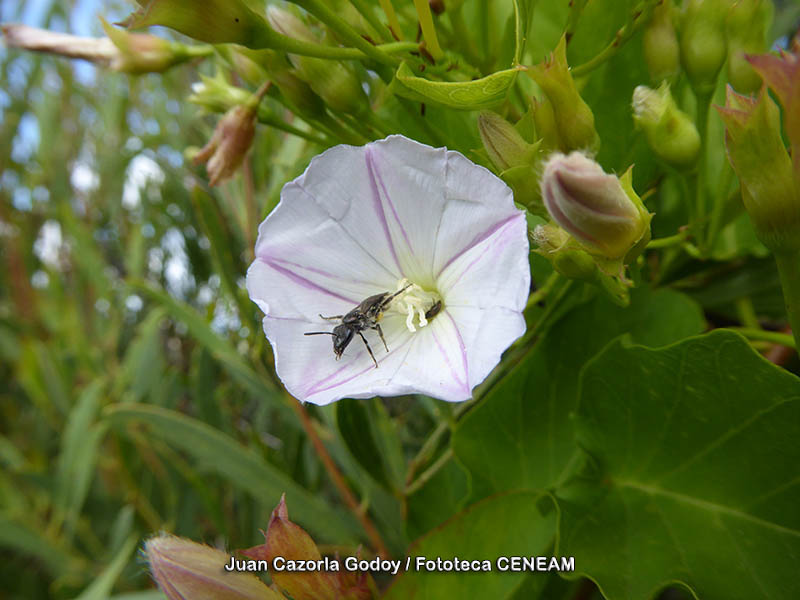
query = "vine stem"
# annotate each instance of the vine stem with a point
(775, 337)
(789, 271)
(338, 479)
(428, 473)
(541, 293)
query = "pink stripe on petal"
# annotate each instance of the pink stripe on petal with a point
(375, 174)
(479, 238)
(378, 204)
(307, 283)
(463, 383)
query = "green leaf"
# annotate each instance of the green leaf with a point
(521, 436)
(78, 457)
(463, 95)
(353, 422)
(220, 348)
(101, 587)
(219, 453)
(513, 524)
(698, 481)
(24, 539)
(437, 500)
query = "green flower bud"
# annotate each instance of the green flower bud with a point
(569, 259)
(545, 122)
(747, 25)
(703, 47)
(232, 139)
(334, 81)
(573, 118)
(212, 21)
(503, 143)
(770, 186)
(660, 44)
(185, 570)
(670, 133)
(215, 94)
(599, 210)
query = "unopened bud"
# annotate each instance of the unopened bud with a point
(660, 44)
(212, 21)
(770, 188)
(782, 74)
(747, 26)
(503, 143)
(573, 118)
(185, 570)
(290, 541)
(334, 81)
(133, 53)
(703, 47)
(545, 122)
(670, 133)
(599, 210)
(569, 259)
(231, 140)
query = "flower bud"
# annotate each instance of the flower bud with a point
(212, 21)
(545, 122)
(133, 53)
(232, 138)
(770, 187)
(747, 26)
(703, 47)
(660, 44)
(334, 81)
(782, 75)
(503, 143)
(599, 210)
(573, 117)
(670, 133)
(570, 260)
(185, 570)
(290, 541)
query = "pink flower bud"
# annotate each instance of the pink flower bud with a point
(232, 138)
(185, 570)
(599, 210)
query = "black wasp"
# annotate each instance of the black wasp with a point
(364, 316)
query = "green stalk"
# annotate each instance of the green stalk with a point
(365, 10)
(774, 337)
(319, 9)
(428, 29)
(699, 180)
(391, 16)
(789, 271)
(266, 117)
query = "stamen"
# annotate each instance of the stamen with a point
(414, 302)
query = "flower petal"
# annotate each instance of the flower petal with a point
(492, 272)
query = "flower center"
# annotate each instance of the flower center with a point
(419, 305)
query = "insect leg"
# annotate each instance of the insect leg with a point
(380, 333)
(366, 343)
(318, 333)
(334, 318)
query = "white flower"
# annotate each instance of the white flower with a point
(392, 216)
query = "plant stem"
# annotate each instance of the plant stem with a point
(428, 448)
(391, 16)
(541, 293)
(625, 33)
(699, 180)
(267, 117)
(428, 473)
(428, 29)
(365, 10)
(767, 336)
(669, 241)
(338, 480)
(320, 9)
(789, 271)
